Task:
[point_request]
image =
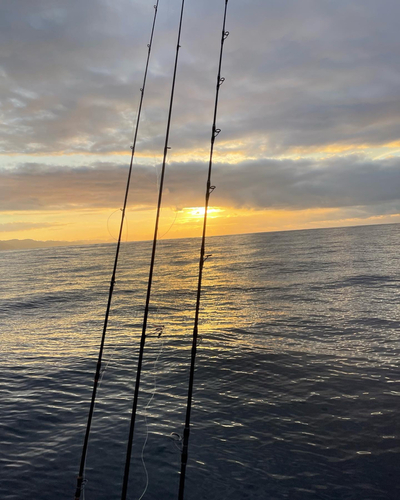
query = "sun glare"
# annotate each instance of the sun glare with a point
(198, 212)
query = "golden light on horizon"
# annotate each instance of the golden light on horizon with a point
(102, 225)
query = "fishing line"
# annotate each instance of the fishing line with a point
(158, 330)
(126, 225)
(80, 477)
(85, 481)
(150, 280)
(107, 365)
(209, 189)
(176, 212)
(108, 224)
(170, 227)
(103, 371)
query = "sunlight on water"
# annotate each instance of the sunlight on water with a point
(297, 380)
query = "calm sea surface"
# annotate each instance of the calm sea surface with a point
(297, 387)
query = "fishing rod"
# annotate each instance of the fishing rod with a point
(203, 258)
(150, 280)
(80, 477)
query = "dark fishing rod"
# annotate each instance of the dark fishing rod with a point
(114, 272)
(203, 258)
(150, 280)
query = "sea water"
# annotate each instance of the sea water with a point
(297, 381)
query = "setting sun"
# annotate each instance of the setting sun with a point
(198, 212)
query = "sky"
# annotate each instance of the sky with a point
(309, 115)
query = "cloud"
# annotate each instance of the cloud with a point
(302, 76)
(342, 181)
(299, 74)
(36, 187)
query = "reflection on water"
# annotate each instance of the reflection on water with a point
(297, 381)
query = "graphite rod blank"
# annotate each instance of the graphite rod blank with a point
(209, 190)
(80, 477)
(150, 280)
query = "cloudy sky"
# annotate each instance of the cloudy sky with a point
(309, 112)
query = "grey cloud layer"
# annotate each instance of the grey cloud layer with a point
(342, 182)
(299, 74)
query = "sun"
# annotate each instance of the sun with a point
(198, 212)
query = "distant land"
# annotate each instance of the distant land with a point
(26, 244)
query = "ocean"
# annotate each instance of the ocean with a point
(297, 390)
